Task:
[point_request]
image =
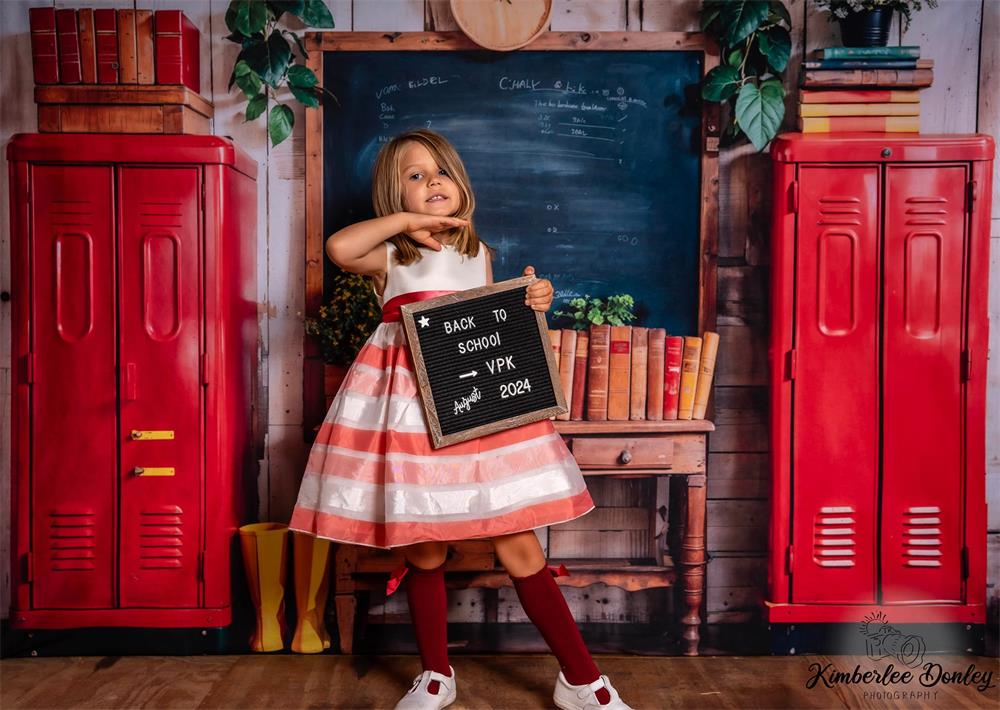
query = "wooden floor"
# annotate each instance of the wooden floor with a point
(518, 681)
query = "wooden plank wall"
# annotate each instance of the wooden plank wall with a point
(964, 98)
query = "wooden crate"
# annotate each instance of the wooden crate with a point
(115, 108)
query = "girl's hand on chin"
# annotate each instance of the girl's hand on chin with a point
(422, 227)
(539, 293)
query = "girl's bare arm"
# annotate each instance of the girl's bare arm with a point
(360, 247)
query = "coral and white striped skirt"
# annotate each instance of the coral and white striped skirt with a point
(373, 478)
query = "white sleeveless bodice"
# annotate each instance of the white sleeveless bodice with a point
(445, 270)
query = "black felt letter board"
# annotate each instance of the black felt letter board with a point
(484, 361)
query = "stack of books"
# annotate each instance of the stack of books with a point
(863, 89)
(631, 373)
(104, 46)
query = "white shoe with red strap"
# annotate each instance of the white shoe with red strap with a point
(417, 697)
(584, 697)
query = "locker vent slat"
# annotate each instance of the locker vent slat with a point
(71, 540)
(921, 544)
(836, 209)
(833, 536)
(161, 533)
(923, 215)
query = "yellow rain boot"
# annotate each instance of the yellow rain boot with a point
(264, 557)
(312, 581)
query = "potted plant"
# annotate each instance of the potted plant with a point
(865, 23)
(584, 311)
(756, 44)
(266, 63)
(343, 325)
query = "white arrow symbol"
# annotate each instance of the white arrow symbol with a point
(468, 374)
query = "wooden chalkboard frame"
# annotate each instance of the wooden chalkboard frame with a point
(409, 310)
(318, 43)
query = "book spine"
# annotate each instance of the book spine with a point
(619, 372)
(127, 63)
(106, 40)
(895, 78)
(640, 365)
(838, 124)
(567, 364)
(597, 373)
(177, 49)
(833, 96)
(689, 376)
(902, 52)
(88, 45)
(859, 109)
(145, 70)
(672, 358)
(861, 64)
(580, 376)
(706, 371)
(44, 54)
(68, 39)
(654, 374)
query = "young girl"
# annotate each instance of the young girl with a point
(373, 477)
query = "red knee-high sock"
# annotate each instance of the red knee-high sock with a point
(546, 606)
(428, 602)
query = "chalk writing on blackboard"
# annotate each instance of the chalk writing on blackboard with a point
(484, 361)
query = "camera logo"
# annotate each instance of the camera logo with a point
(885, 641)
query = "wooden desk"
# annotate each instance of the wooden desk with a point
(620, 449)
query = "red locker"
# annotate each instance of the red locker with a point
(134, 336)
(878, 377)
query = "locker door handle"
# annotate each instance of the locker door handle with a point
(130, 382)
(158, 471)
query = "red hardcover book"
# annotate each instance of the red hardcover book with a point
(860, 96)
(106, 39)
(70, 70)
(178, 50)
(44, 55)
(673, 353)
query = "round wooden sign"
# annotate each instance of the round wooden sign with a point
(502, 25)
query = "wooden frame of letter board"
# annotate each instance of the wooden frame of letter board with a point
(318, 43)
(409, 310)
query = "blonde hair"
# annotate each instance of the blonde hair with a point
(387, 191)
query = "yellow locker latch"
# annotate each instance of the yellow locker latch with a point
(151, 435)
(144, 471)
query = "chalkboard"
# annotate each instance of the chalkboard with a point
(483, 360)
(586, 165)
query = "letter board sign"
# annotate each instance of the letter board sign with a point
(484, 361)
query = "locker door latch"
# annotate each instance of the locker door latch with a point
(966, 365)
(790, 362)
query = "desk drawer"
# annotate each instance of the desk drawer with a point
(622, 452)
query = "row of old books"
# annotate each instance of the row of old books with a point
(621, 373)
(863, 89)
(106, 46)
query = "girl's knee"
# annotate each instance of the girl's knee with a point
(426, 555)
(519, 550)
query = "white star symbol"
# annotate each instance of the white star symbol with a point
(424, 322)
